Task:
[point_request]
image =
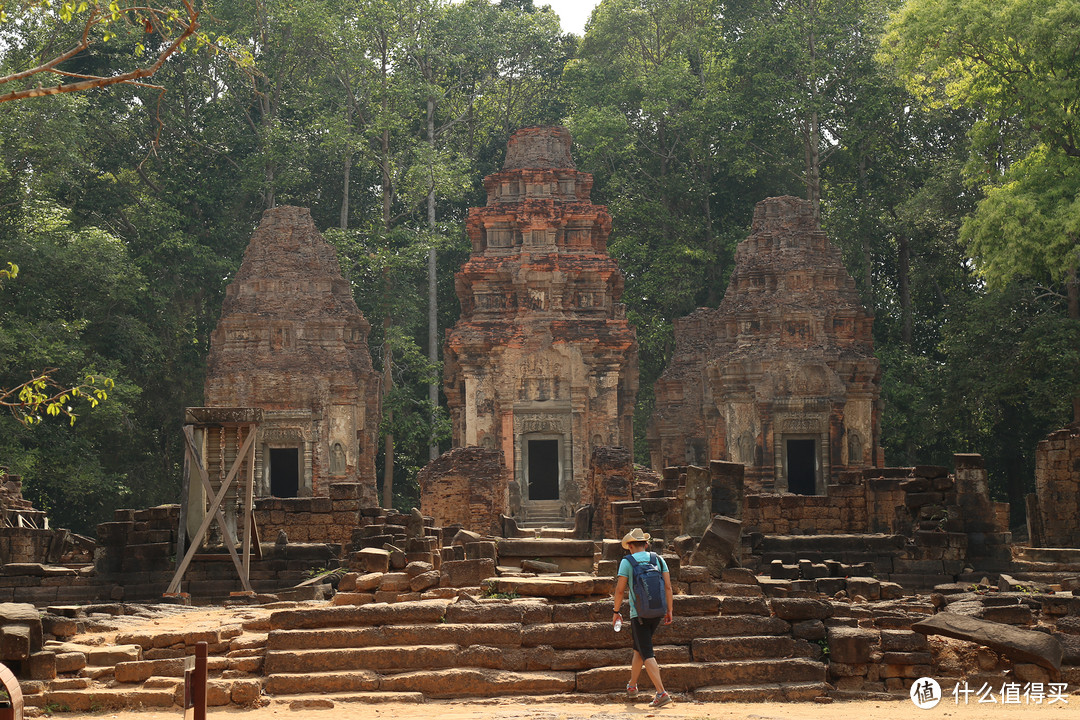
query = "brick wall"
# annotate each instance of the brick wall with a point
(1057, 490)
(468, 487)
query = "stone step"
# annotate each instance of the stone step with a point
(442, 683)
(386, 659)
(561, 636)
(329, 700)
(109, 698)
(431, 657)
(767, 692)
(690, 676)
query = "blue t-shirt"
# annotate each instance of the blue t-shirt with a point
(626, 570)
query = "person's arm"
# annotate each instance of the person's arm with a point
(620, 590)
(670, 598)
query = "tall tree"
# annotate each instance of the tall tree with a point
(1014, 60)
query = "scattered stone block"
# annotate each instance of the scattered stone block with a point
(539, 566)
(1015, 643)
(466, 573)
(718, 544)
(425, 580)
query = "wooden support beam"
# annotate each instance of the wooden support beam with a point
(214, 511)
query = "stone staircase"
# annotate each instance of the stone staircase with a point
(440, 649)
(544, 514)
(312, 656)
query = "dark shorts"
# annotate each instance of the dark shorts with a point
(641, 632)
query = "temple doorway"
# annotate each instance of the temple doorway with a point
(284, 472)
(801, 462)
(543, 477)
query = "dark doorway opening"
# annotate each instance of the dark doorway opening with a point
(801, 470)
(284, 472)
(543, 469)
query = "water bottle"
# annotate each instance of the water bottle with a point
(618, 624)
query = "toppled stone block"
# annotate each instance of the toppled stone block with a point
(867, 587)
(539, 566)
(718, 545)
(425, 580)
(373, 559)
(1015, 643)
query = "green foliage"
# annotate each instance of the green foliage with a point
(1013, 60)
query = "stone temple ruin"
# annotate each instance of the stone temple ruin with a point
(803, 568)
(542, 365)
(292, 342)
(782, 376)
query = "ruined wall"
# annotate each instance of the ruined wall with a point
(782, 376)
(467, 487)
(1056, 506)
(611, 479)
(320, 519)
(919, 526)
(292, 342)
(542, 364)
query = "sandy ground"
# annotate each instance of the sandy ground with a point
(540, 710)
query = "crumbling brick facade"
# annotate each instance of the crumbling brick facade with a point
(467, 487)
(1054, 511)
(542, 364)
(782, 376)
(292, 342)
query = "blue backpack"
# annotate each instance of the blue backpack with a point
(650, 597)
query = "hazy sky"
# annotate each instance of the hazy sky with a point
(573, 13)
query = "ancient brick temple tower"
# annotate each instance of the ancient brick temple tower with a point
(542, 364)
(292, 342)
(782, 377)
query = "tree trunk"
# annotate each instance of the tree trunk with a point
(905, 289)
(388, 442)
(343, 219)
(433, 299)
(813, 149)
(1072, 292)
(868, 256)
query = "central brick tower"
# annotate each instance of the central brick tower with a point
(542, 364)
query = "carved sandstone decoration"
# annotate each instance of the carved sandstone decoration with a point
(782, 376)
(292, 342)
(542, 364)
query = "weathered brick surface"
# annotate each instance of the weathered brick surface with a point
(1056, 521)
(789, 352)
(467, 487)
(292, 342)
(542, 350)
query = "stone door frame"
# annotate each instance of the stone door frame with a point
(801, 428)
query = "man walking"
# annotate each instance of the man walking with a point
(641, 571)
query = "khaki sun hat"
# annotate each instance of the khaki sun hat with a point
(635, 536)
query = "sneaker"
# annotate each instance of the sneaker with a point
(631, 690)
(660, 700)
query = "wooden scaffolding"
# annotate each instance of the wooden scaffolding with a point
(218, 485)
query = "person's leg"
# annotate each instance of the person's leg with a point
(645, 645)
(635, 668)
(635, 663)
(653, 671)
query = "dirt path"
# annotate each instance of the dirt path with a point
(540, 710)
